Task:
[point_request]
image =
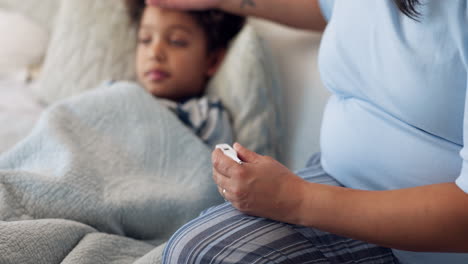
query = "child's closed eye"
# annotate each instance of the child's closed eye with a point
(178, 42)
(144, 41)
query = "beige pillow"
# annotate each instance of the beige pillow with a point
(93, 41)
(249, 87)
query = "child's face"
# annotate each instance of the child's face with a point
(172, 59)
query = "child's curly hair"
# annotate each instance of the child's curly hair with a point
(220, 27)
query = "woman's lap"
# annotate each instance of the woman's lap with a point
(224, 235)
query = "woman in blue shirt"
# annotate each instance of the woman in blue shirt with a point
(393, 170)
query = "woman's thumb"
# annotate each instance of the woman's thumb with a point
(245, 154)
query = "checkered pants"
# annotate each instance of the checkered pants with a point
(224, 235)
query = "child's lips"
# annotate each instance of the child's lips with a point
(157, 75)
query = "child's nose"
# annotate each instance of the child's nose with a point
(158, 52)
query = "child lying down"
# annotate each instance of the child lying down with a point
(94, 175)
(177, 53)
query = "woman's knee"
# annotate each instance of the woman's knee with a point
(188, 244)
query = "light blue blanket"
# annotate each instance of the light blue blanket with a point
(104, 177)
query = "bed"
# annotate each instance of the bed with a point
(50, 214)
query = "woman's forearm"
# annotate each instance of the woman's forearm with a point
(428, 218)
(304, 14)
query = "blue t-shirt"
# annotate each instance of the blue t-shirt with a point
(396, 117)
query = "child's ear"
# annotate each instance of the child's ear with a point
(215, 59)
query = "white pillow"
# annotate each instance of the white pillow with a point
(23, 43)
(94, 41)
(42, 12)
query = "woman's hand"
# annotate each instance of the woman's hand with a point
(260, 186)
(185, 4)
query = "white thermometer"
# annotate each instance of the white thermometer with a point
(229, 151)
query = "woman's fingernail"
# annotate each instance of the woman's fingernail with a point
(237, 145)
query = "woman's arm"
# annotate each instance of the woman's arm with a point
(304, 14)
(428, 218)
(431, 218)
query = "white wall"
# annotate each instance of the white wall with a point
(295, 55)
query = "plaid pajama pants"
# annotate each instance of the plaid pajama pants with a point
(224, 235)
